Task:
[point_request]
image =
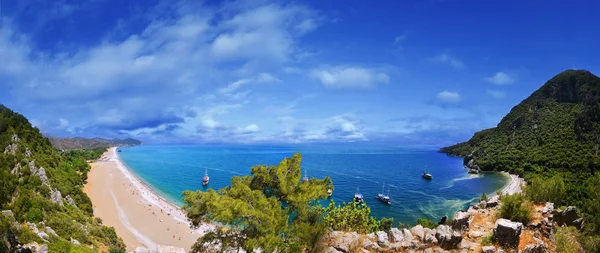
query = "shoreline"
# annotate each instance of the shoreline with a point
(141, 216)
(515, 184)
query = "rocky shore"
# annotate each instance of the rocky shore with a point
(471, 230)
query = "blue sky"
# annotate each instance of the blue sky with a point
(400, 72)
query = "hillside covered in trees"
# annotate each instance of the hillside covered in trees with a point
(84, 143)
(552, 139)
(41, 195)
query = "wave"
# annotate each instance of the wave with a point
(468, 177)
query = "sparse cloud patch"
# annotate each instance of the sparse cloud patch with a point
(350, 77)
(448, 97)
(496, 94)
(501, 78)
(448, 60)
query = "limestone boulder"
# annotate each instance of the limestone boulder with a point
(382, 239)
(332, 250)
(538, 247)
(461, 220)
(396, 235)
(343, 241)
(507, 233)
(56, 197)
(492, 202)
(447, 237)
(488, 249)
(418, 232)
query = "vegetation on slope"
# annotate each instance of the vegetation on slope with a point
(274, 211)
(552, 139)
(95, 143)
(42, 187)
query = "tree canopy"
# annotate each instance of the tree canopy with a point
(272, 210)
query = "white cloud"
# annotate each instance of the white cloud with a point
(448, 59)
(267, 78)
(399, 38)
(252, 128)
(261, 78)
(496, 94)
(292, 70)
(234, 86)
(63, 123)
(350, 77)
(306, 26)
(501, 78)
(448, 97)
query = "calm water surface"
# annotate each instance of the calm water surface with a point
(173, 169)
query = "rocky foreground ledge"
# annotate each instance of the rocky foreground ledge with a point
(471, 230)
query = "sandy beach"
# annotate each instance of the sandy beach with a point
(515, 186)
(139, 215)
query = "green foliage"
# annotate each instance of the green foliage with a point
(552, 138)
(566, 240)
(483, 197)
(426, 223)
(23, 192)
(385, 224)
(271, 209)
(350, 217)
(116, 250)
(487, 240)
(547, 189)
(516, 208)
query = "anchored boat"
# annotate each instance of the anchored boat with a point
(358, 198)
(205, 179)
(426, 175)
(305, 178)
(384, 198)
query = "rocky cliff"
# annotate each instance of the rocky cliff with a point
(477, 229)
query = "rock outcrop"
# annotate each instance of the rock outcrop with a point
(447, 237)
(568, 217)
(507, 233)
(461, 220)
(70, 201)
(56, 197)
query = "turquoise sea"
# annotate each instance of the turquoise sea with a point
(169, 170)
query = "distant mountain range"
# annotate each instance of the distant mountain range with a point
(84, 143)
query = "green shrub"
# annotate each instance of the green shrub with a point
(386, 224)
(566, 240)
(488, 240)
(516, 208)
(483, 197)
(547, 190)
(426, 223)
(116, 250)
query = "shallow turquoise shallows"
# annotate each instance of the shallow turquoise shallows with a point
(173, 169)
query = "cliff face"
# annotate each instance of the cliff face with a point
(556, 127)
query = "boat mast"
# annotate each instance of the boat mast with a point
(382, 188)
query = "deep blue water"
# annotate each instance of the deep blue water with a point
(173, 169)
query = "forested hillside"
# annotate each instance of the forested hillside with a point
(552, 139)
(84, 143)
(41, 193)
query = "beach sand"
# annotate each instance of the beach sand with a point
(515, 186)
(139, 215)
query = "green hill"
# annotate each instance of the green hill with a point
(556, 128)
(554, 133)
(84, 143)
(41, 195)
